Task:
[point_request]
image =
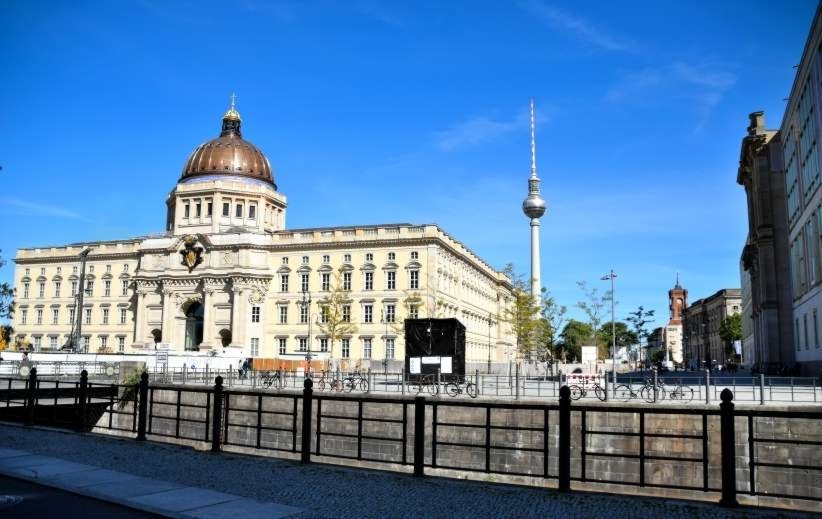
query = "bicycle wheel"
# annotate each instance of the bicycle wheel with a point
(363, 385)
(452, 389)
(576, 392)
(348, 385)
(336, 385)
(623, 393)
(433, 388)
(321, 385)
(599, 392)
(647, 394)
(471, 389)
(686, 394)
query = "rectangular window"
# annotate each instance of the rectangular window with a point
(346, 313)
(186, 211)
(414, 312)
(26, 291)
(88, 315)
(283, 314)
(255, 347)
(107, 289)
(238, 211)
(105, 315)
(103, 342)
(37, 342)
(198, 207)
(346, 348)
(226, 209)
(796, 334)
(121, 344)
(86, 342)
(369, 281)
(73, 288)
(303, 314)
(71, 315)
(57, 289)
(326, 258)
(324, 314)
(281, 346)
(815, 330)
(123, 316)
(390, 313)
(53, 342)
(304, 282)
(326, 281)
(347, 258)
(108, 268)
(366, 348)
(42, 291)
(125, 287)
(392, 256)
(283, 282)
(415, 255)
(255, 314)
(23, 315)
(368, 313)
(305, 260)
(303, 344)
(323, 344)
(369, 256)
(805, 329)
(252, 212)
(125, 267)
(89, 287)
(55, 316)
(389, 348)
(391, 280)
(414, 278)
(346, 281)
(39, 316)
(209, 209)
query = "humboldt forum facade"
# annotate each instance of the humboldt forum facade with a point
(227, 276)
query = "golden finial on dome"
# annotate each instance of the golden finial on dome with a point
(232, 112)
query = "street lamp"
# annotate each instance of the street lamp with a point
(305, 304)
(489, 342)
(612, 275)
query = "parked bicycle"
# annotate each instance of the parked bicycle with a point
(355, 381)
(269, 379)
(422, 383)
(680, 392)
(455, 388)
(581, 391)
(328, 382)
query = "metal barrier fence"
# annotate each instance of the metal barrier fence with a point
(561, 441)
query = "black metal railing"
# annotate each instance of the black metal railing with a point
(690, 448)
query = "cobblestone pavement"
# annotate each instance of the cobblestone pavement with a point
(339, 492)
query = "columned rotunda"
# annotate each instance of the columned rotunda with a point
(228, 276)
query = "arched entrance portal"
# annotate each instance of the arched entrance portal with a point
(194, 326)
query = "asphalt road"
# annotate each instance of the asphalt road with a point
(21, 499)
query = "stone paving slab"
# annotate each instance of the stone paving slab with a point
(130, 487)
(245, 508)
(28, 460)
(92, 477)
(182, 499)
(55, 468)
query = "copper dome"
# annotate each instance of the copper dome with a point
(229, 154)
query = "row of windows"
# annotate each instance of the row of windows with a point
(57, 287)
(197, 208)
(105, 316)
(102, 342)
(800, 154)
(369, 256)
(345, 281)
(74, 269)
(804, 338)
(806, 255)
(323, 343)
(389, 313)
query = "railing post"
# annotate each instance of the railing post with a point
(607, 393)
(217, 415)
(31, 396)
(707, 386)
(185, 369)
(368, 380)
(402, 382)
(516, 380)
(439, 381)
(762, 389)
(726, 411)
(143, 407)
(564, 484)
(656, 382)
(419, 436)
(305, 454)
(82, 400)
(476, 381)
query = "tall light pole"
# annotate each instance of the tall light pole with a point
(306, 306)
(612, 275)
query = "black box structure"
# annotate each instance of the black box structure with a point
(432, 344)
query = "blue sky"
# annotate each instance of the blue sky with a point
(375, 112)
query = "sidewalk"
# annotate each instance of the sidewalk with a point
(182, 482)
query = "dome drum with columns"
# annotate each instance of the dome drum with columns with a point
(227, 275)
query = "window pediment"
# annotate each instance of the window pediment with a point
(368, 266)
(390, 266)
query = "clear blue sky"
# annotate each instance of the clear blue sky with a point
(375, 112)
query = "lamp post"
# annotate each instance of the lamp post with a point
(611, 276)
(384, 320)
(489, 342)
(305, 304)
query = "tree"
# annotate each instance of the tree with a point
(335, 319)
(730, 330)
(625, 338)
(6, 333)
(575, 335)
(521, 314)
(6, 297)
(549, 327)
(593, 307)
(639, 319)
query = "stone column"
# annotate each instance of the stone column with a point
(139, 336)
(167, 321)
(237, 318)
(208, 318)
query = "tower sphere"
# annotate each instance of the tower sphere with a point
(534, 206)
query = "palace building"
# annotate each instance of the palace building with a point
(228, 276)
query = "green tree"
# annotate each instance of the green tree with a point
(521, 315)
(575, 335)
(625, 338)
(593, 306)
(549, 326)
(730, 330)
(640, 319)
(335, 319)
(6, 297)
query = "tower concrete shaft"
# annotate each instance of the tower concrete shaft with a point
(534, 207)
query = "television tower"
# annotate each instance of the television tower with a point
(534, 207)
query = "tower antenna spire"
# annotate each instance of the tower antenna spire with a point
(233, 100)
(533, 144)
